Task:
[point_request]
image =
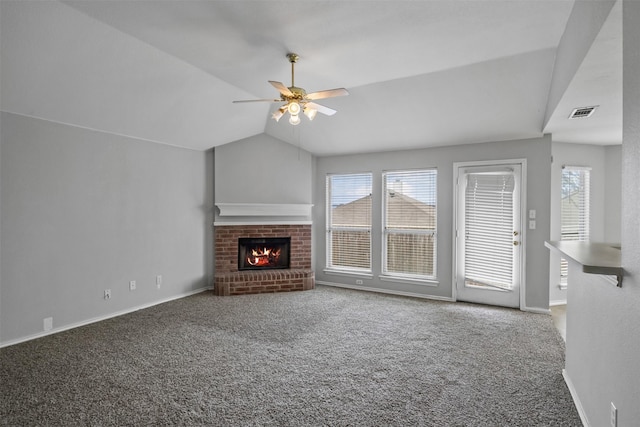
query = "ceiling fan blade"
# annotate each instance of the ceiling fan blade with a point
(258, 100)
(281, 88)
(321, 108)
(327, 93)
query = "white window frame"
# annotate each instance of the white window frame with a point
(584, 216)
(409, 277)
(330, 228)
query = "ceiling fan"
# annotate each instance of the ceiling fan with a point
(297, 99)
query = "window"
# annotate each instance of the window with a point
(574, 222)
(409, 223)
(349, 222)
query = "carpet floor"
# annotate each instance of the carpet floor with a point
(326, 357)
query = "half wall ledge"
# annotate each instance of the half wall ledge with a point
(595, 258)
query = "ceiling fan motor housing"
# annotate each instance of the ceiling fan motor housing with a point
(299, 94)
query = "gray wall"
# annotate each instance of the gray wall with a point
(613, 194)
(605, 163)
(538, 155)
(83, 211)
(262, 169)
(586, 20)
(603, 321)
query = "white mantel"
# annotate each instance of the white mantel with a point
(263, 213)
(264, 209)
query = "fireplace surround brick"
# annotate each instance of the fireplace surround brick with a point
(230, 281)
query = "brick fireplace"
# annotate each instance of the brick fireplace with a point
(229, 280)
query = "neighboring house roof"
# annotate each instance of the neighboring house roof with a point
(403, 212)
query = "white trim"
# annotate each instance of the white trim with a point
(557, 302)
(264, 209)
(457, 166)
(411, 280)
(536, 310)
(223, 223)
(576, 399)
(364, 274)
(577, 168)
(101, 318)
(385, 291)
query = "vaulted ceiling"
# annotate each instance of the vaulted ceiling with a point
(419, 73)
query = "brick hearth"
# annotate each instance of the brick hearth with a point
(230, 281)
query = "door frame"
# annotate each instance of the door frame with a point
(523, 220)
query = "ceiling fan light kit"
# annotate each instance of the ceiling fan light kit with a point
(297, 99)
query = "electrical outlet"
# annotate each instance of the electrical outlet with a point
(107, 294)
(132, 285)
(532, 224)
(614, 415)
(48, 323)
(359, 282)
(158, 281)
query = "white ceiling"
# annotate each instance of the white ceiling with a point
(419, 73)
(598, 82)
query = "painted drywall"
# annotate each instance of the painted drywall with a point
(603, 321)
(62, 65)
(1, 138)
(85, 211)
(594, 157)
(262, 169)
(538, 154)
(612, 193)
(583, 26)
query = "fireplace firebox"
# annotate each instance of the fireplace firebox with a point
(263, 253)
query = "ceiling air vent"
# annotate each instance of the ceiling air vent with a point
(582, 112)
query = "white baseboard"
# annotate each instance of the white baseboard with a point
(385, 291)
(576, 399)
(536, 310)
(557, 302)
(100, 318)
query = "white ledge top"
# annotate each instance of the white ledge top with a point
(264, 209)
(595, 258)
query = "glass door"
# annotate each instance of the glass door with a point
(488, 234)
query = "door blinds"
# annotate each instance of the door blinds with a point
(489, 229)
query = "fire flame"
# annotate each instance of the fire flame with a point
(263, 257)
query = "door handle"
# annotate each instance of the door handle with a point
(515, 233)
(516, 243)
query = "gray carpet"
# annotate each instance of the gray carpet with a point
(324, 357)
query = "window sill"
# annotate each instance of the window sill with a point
(411, 280)
(351, 273)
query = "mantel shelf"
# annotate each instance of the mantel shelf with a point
(595, 258)
(264, 209)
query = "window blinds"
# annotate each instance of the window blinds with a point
(574, 223)
(349, 221)
(489, 229)
(409, 225)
